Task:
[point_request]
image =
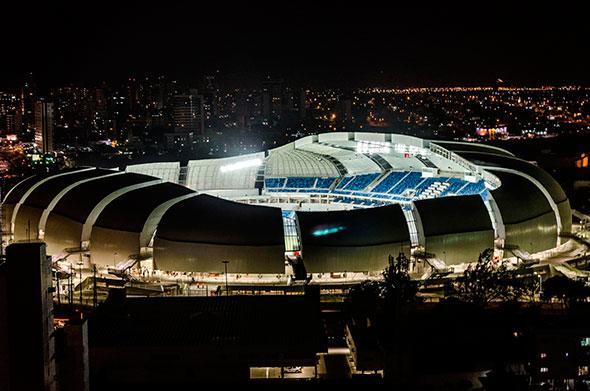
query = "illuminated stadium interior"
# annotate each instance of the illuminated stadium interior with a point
(333, 202)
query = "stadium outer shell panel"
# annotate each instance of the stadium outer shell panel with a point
(31, 211)
(22, 191)
(542, 179)
(456, 228)
(524, 207)
(353, 241)
(251, 237)
(65, 224)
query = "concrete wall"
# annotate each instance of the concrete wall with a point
(60, 233)
(460, 247)
(202, 257)
(326, 259)
(27, 215)
(109, 247)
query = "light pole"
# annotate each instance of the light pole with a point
(225, 272)
(538, 275)
(57, 283)
(71, 286)
(94, 292)
(80, 268)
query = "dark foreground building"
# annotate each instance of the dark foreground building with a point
(27, 348)
(187, 341)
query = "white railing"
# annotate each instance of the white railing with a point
(452, 156)
(491, 179)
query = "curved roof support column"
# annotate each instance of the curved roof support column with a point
(91, 219)
(415, 227)
(497, 223)
(36, 185)
(14, 187)
(543, 190)
(59, 196)
(151, 223)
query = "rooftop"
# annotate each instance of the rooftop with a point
(286, 326)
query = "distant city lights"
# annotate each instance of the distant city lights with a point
(492, 133)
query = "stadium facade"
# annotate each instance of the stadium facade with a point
(337, 202)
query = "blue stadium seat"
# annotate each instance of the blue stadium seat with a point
(409, 182)
(324, 183)
(425, 184)
(359, 182)
(473, 188)
(274, 182)
(455, 184)
(300, 182)
(344, 182)
(389, 181)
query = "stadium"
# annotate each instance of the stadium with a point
(325, 205)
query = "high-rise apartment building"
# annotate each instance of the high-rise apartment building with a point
(44, 126)
(188, 113)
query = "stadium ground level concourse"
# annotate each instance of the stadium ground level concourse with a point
(342, 201)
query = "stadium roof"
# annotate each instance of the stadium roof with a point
(42, 195)
(130, 211)
(519, 165)
(212, 220)
(457, 146)
(78, 204)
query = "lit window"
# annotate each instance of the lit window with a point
(543, 355)
(585, 341)
(544, 370)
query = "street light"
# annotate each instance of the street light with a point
(540, 284)
(94, 292)
(225, 272)
(71, 287)
(80, 268)
(57, 283)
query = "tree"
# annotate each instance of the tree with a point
(391, 296)
(398, 289)
(487, 280)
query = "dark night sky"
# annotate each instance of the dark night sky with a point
(63, 41)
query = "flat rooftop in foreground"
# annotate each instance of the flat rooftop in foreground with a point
(273, 326)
